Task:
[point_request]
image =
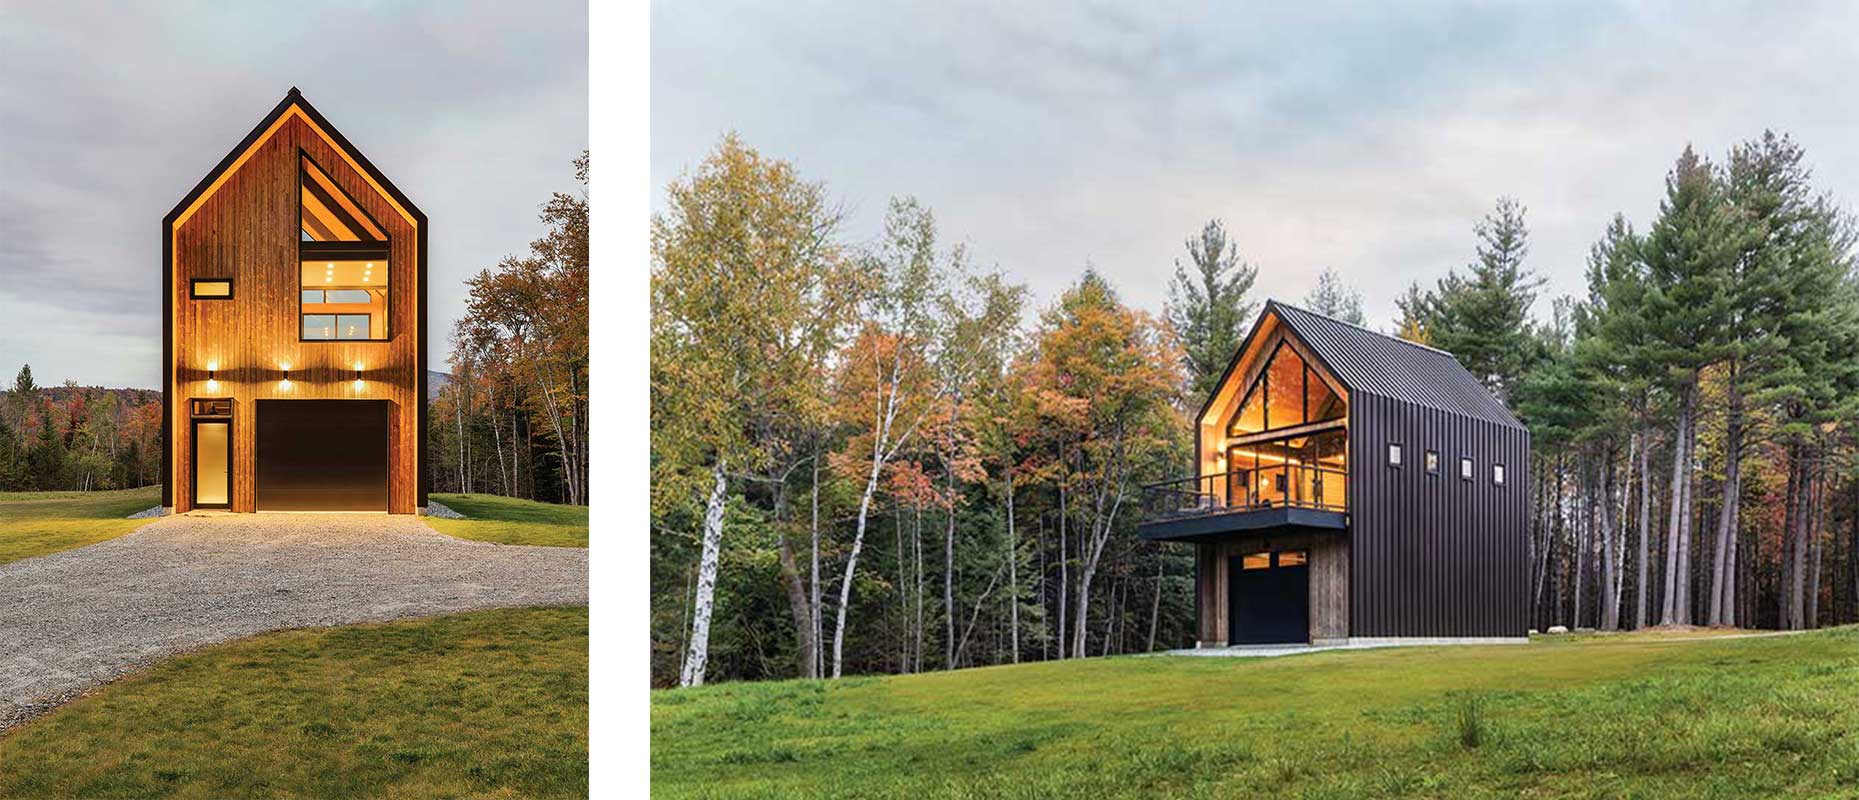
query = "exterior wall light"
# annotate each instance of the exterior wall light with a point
(285, 383)
(212, 377)
(358, 383)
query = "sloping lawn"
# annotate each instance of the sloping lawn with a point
(1616, 716)
(508, 520)
(488, 704)
(36, 523)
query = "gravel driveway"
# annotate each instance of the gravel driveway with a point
(72, 620)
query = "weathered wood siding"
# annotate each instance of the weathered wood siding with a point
(1329, 580)
(247, 230)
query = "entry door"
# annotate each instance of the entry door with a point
(322, 455)
(1268, 598)
(212, 461)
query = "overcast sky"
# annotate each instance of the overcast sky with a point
(111, 112)
(1368, 140)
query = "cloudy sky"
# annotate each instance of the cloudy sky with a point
(110, 112)
(1368, 140)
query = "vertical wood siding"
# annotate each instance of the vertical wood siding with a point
(1434, 555)
(248, 231)
(1329, 580)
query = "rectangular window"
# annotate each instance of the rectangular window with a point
(343, 295)
(1497, 474)
(210, 288)
(1293, 558)
(1432, 462)
(1465, 469)
(1252, 561)
(1394, 454)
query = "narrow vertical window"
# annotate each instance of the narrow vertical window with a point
(1465, 469)
(1432, 462)
(1394, 454)
(1497, 474)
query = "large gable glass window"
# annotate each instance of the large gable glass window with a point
(342, 263)
(1286, 394)
(1286, 445)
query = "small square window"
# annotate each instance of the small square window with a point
(1465, 469)
(1432, 462)
(1497, 474)
(1394, 454)
(210, 288)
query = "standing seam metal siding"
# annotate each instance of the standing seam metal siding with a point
(1435, 555)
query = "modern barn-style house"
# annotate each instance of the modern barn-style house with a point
(294, 329)
(1350, 487)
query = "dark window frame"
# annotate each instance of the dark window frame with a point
(209, 415)
(1497, 473)
(1467, 468)
(382, 250)
(193, 283)
(1431, 462)
(1396, 455)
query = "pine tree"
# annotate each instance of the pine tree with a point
(1482, 317)
(1207, 308)
(1415, 309)
(1688, 253)
(1333, 298)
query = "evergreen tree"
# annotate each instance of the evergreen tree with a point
(1482, 317)
(1208, 308)
(1415, 309)
(1333, 298)
(1688, 253)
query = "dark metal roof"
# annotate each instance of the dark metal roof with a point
(1378, 364)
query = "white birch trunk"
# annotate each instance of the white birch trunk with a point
(699, 655)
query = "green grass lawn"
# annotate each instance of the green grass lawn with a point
(508, 520)
(487, 704)
(36, 523)
(1613, 716)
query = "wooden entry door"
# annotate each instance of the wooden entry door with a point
(1268, 598)
(212, 463)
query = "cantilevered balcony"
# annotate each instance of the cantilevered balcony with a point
(1283, 495)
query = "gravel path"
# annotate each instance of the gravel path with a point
(72, 620)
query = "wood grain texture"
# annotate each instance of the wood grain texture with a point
(1329, 580)
(247, 229)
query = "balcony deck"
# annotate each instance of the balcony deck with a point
(1212, 506)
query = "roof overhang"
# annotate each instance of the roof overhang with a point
(1209, 527)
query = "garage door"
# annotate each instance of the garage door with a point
(322, 455)
(1269, 597)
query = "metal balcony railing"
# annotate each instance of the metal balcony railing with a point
(1292, 485)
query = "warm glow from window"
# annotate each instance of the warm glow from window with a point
(1293, 558)
(1255, 561)
(343, 300)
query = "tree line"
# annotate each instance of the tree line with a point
(513, 418)
(864, 460)
(72, 437)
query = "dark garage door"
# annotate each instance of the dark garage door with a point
(1269, 597)
(322, 455)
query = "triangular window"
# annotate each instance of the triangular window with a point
(328, 213)
(1287, 393)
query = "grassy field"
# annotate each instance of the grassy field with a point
(36, 523)
(1604, 716)
(488, 704)
(511, 521)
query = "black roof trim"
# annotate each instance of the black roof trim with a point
(296, 98)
